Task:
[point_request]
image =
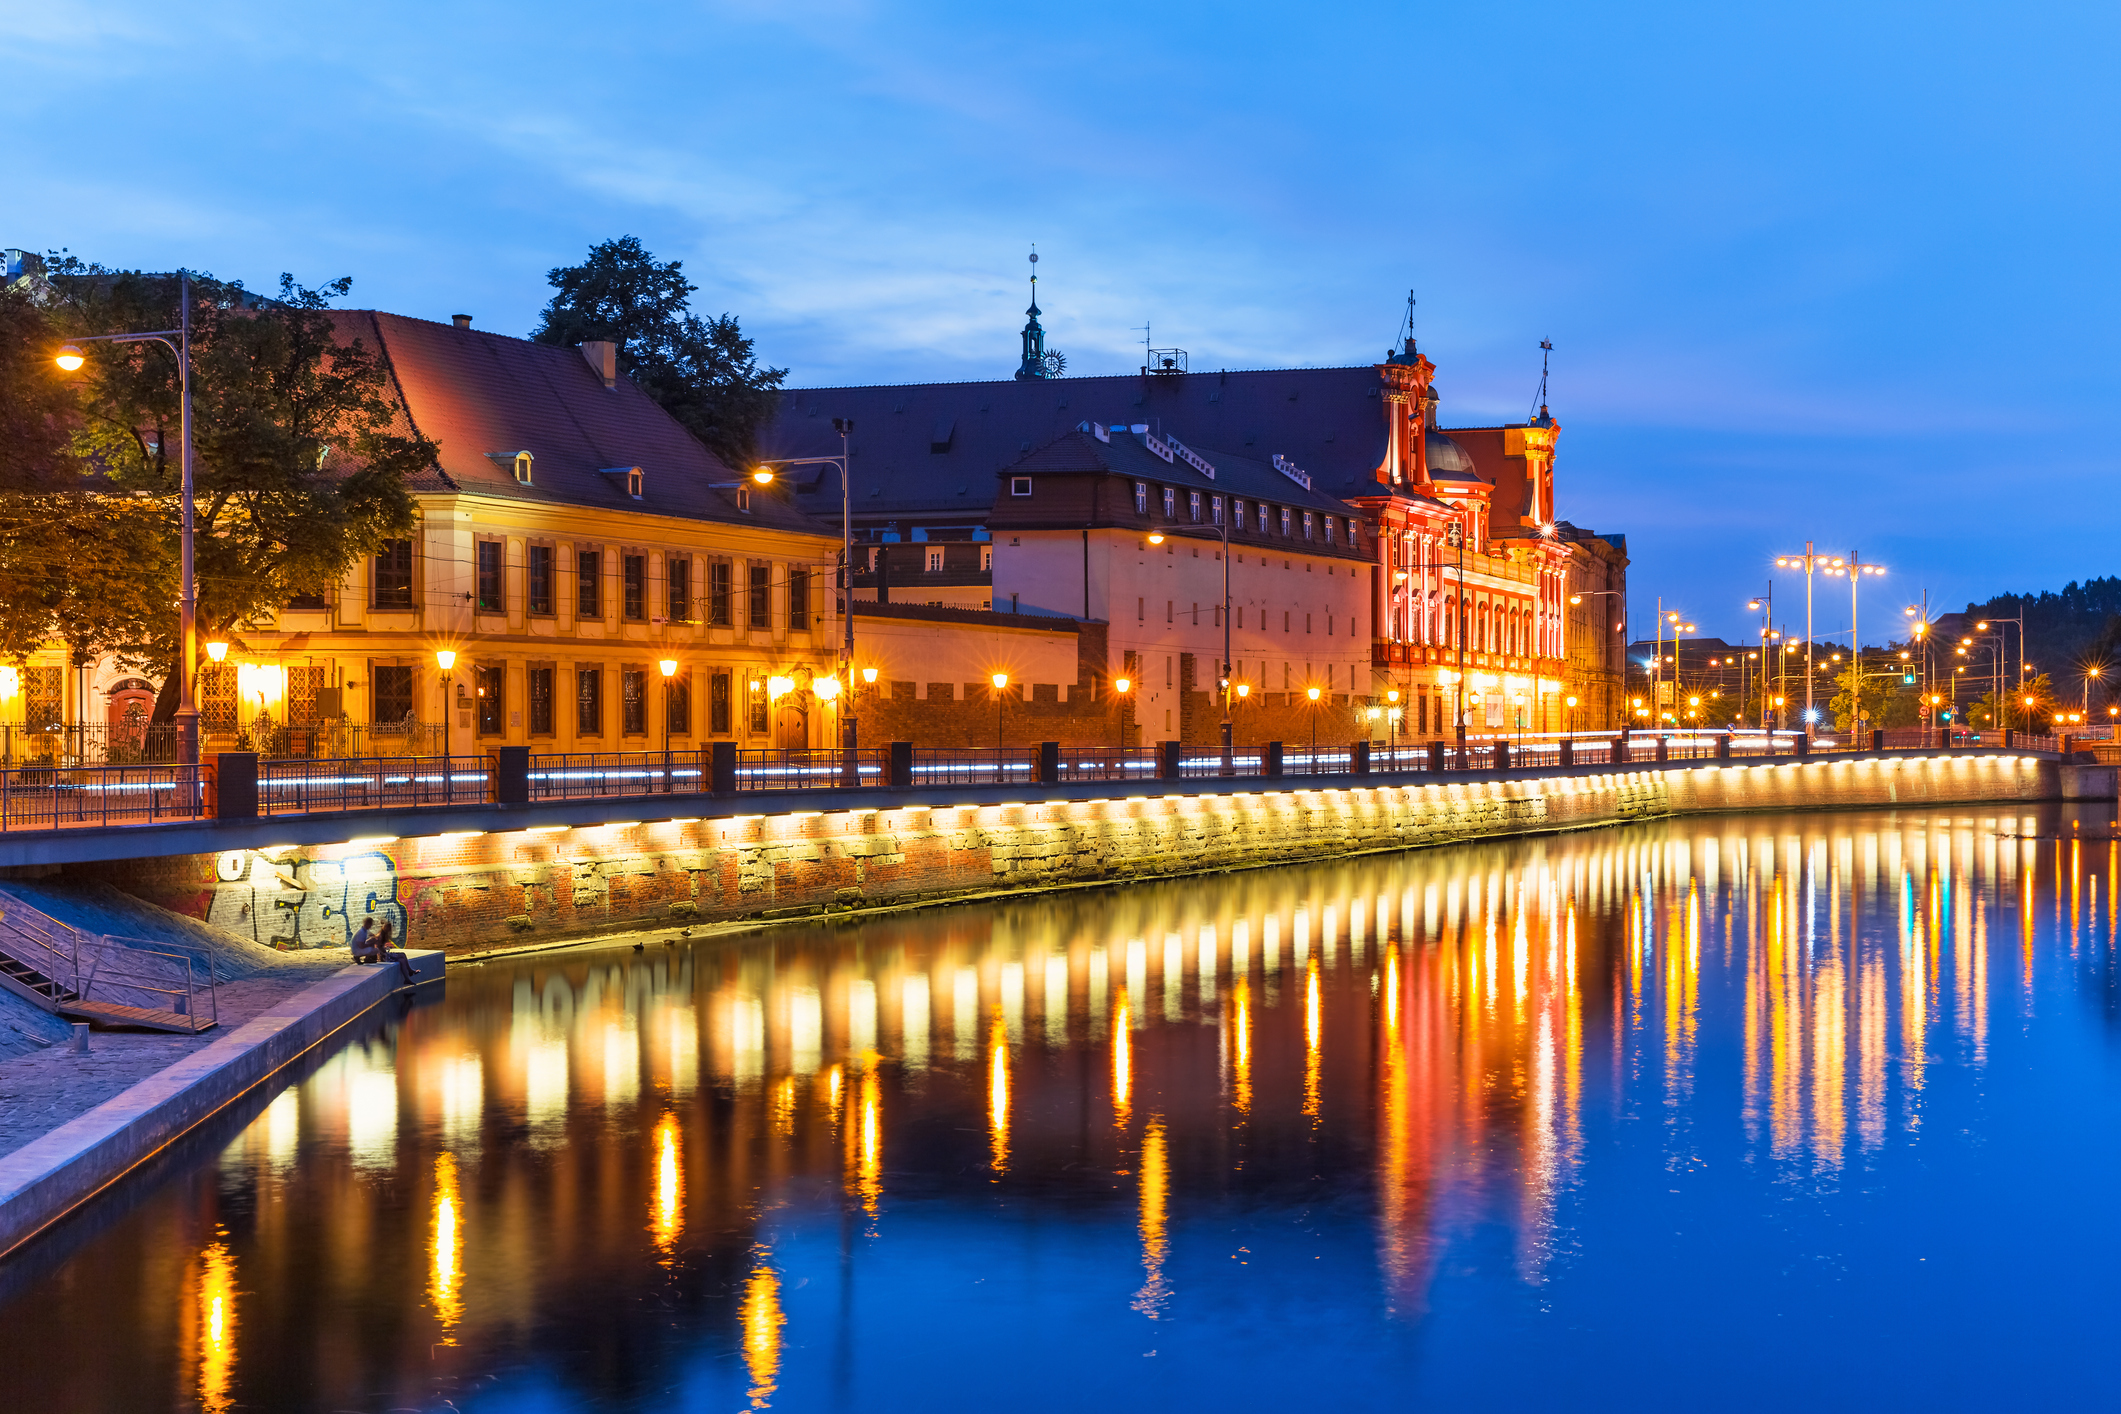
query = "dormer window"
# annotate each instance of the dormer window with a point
(523, 468)
(633, 483)
(743, 499)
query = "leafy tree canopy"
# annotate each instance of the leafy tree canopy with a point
(703, 371)
(300, 467)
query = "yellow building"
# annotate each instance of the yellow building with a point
(571, 538)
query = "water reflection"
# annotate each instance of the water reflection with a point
(630, 1172)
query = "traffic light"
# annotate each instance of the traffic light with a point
(1907, 679)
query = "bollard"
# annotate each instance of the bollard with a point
(1723, 746)
(2065, 743)
(80, 1038)
(1664, 748)
(511, 775)
(722, 773)
(1167, 760)
(1502, 756)
(1878, 739)
(1436, 756)
(2010, 737)
(1568, 753)
(1049, 763)
(1801, 744)
(236, 785)
(902, 765)
(1270, 760)
(1359, 758)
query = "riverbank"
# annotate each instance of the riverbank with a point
(51, 1174)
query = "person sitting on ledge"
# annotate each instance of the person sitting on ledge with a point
(385, 950)
(364, 943)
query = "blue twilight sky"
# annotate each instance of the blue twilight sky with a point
(1812, 270)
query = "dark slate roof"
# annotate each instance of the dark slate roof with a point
(484, 397)
(1127, 454)
(931, 449)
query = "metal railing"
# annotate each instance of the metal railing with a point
(78, 974)
(52, 797)
(295, 787)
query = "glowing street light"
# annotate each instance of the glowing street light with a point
(1001, 683)
(445, 659)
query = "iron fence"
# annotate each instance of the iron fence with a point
(296, 787)
(798, 769)
(53, 797)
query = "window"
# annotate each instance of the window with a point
(1285, 520)
(1141, 498)
(492, 591)
(540, 595)
(1307, 525)
(677, 705)
(718, 704)
(1196, 613)
(1019, 485)
(798, 599)
(589, 585)
(633, 482)
(986, 558)
(589, 701)
(1169, 616)
(935, 562)
(1215, 509)
(761, 708)
(718, 594)
(678, 574)
(761, 597)
(1141, 610)
(393, 580)
(634, 575)
(1329, 530)
(1170, 503)
(1237, 514)
(303, 685)
(1193, 505)
(493, 700)
(633, 701)
(523, 467)
(537, 682)
(390, 693)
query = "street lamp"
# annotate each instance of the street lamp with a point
(445, 659)
(1855, 569)
(71, 358)
(1001, 682)
(763, 474)
(669, 669)
(1121, 687)
(1312, 693)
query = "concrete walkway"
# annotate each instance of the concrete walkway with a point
(51, 1174)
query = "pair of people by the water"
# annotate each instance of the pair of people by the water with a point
(372, 946)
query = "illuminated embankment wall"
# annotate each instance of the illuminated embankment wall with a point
(475, 892)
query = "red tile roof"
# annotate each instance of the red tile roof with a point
(485, 397)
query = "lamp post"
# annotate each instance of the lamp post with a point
(445, 659)
(763, 474)
(1312, 693)
(1810, 563)
(1001, 683)
(669, 668)
(1765, 605)
(1855, 569)
(70, 358)
(1120, 686)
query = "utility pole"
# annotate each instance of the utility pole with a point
(1454, 534)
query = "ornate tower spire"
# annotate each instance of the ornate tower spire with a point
(1038, 363)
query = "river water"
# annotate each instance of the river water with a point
(1759, 1112)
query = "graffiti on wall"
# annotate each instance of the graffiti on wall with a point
(298, 902)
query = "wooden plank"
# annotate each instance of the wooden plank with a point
(113, 1014)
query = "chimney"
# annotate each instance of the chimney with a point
(603, 356)
(462, 321)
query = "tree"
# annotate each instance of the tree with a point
(1885, 699)
(704, 372)
(300, 464)
(2031, 708)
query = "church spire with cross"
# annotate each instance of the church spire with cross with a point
(1039, 361)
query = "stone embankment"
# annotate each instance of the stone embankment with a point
(521, 882)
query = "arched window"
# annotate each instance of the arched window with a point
(1481, 639)
(523, 467)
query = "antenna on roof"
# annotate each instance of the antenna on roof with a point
(1539, 404)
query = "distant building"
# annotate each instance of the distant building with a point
(1039, 493)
